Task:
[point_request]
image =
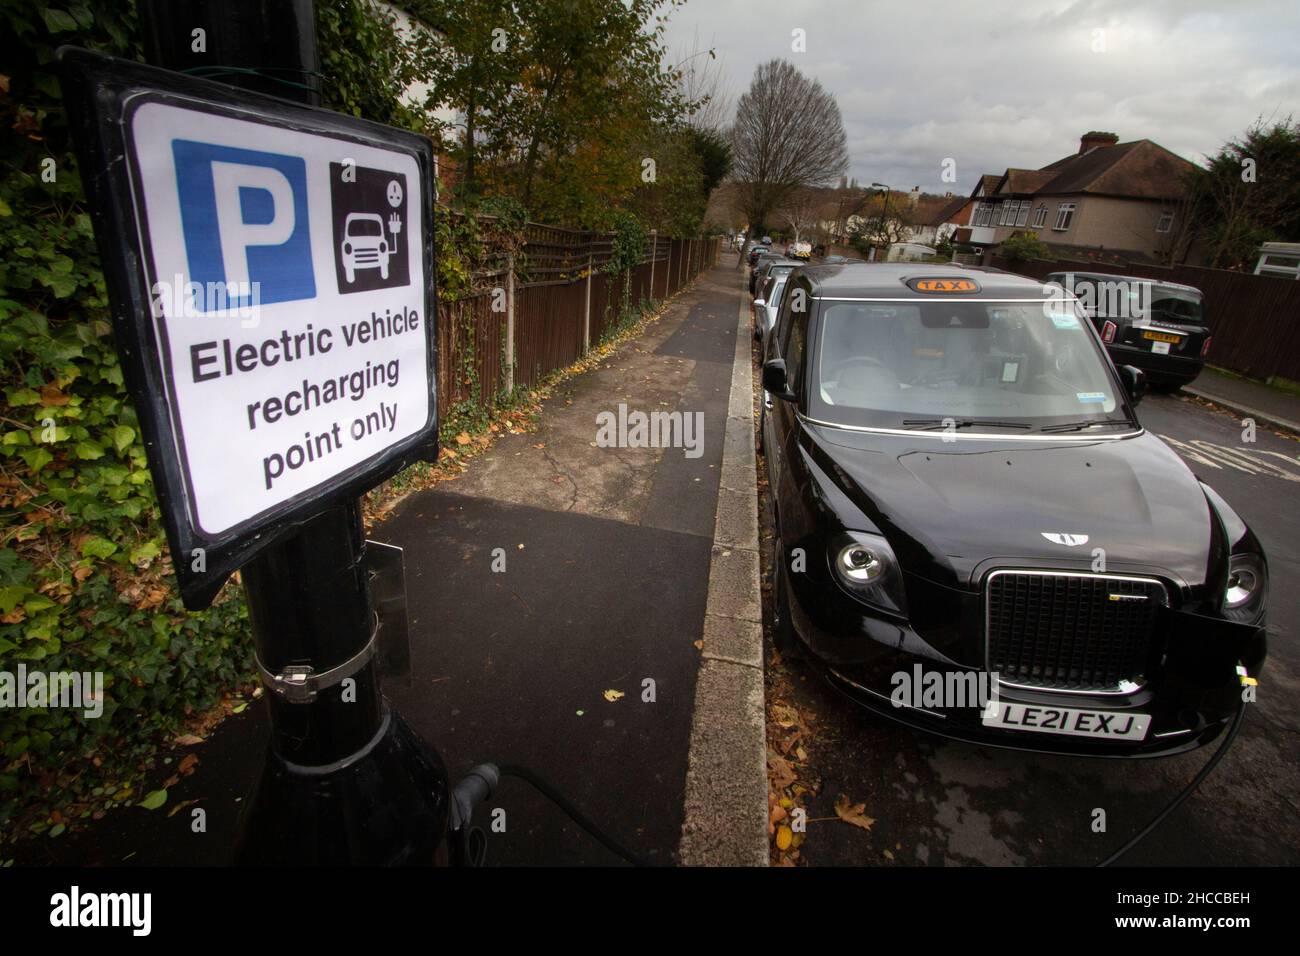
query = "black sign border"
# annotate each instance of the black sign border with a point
(101, 93)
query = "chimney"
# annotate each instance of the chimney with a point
(1096, 140)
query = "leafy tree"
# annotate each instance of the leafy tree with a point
(1249, 195)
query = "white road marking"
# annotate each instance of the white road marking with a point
(1251, 462)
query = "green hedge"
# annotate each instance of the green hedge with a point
(85, 579)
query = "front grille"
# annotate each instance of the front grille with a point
(1070, 631)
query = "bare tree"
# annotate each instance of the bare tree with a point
(700, 81)
(803, 211)
(788, 134)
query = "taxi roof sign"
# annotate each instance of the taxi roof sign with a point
(943, 286)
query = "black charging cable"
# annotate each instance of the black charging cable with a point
(1187, 791)
(470, 844)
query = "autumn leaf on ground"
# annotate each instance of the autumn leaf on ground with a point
(613, 695)
(780, 772)
(180, 806)
(852, 812)
(154, 800)
(188, 763)
(188, 740)
(784, 837)
(463, 438)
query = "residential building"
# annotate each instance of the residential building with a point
(1109, 196)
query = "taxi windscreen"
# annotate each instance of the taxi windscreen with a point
(888, 364)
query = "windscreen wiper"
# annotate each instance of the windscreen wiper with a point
(1087, 423)
(925, 424)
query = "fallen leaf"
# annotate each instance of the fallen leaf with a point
(180, 806)
(784, 837)
(463, 438)
(188, 763)
(188, 740)
(154, 800)
(613, 695)
(852, 813)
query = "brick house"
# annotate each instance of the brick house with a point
(1109, 196)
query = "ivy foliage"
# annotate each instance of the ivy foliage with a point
(86, 582)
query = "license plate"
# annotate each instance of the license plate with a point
(1101, 724)
(1162, 337)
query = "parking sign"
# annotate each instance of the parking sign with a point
(271, 271)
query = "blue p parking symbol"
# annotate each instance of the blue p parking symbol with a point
(244, 218)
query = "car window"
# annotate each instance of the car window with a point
(879, 364)
(793, 349)
(776, 291)
(365, 227)
(1167, 306)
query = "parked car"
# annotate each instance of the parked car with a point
(1154, 325)
(771, 283)
(764, 265)
(961, 486)
(756, 266)
(757, 251)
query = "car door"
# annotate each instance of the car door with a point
(783, 416)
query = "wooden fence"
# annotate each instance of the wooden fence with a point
(549, 303)
(1255, 320)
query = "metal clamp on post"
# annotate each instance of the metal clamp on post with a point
(299, 684)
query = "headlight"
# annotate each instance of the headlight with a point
(1243, 595)
(865, 566)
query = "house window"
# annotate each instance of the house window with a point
(1040, 216)
(1064, 216)
(1165, 222)
(1022, 216)
(984, 215)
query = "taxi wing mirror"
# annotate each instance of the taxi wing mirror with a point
(775, 380)
(1135, 382)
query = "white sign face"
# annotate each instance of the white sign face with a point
(288, 291)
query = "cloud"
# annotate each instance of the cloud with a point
(1013, 83)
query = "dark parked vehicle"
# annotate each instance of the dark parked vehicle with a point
(1154, 325)
(962, 492)
(758, 251)
(766, 266)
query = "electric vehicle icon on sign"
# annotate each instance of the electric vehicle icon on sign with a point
(365, 245)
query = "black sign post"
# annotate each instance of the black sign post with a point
(269, 408)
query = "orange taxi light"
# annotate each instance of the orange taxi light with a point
(943, 286)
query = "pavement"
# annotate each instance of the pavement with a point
(1266, 404)
(590, 613)
(943, 803)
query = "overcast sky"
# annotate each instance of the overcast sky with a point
(998, 83)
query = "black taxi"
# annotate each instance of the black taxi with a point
(964, 498)
(1155, 325)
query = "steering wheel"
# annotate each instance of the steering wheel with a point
(864, 360)
(858, 360)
